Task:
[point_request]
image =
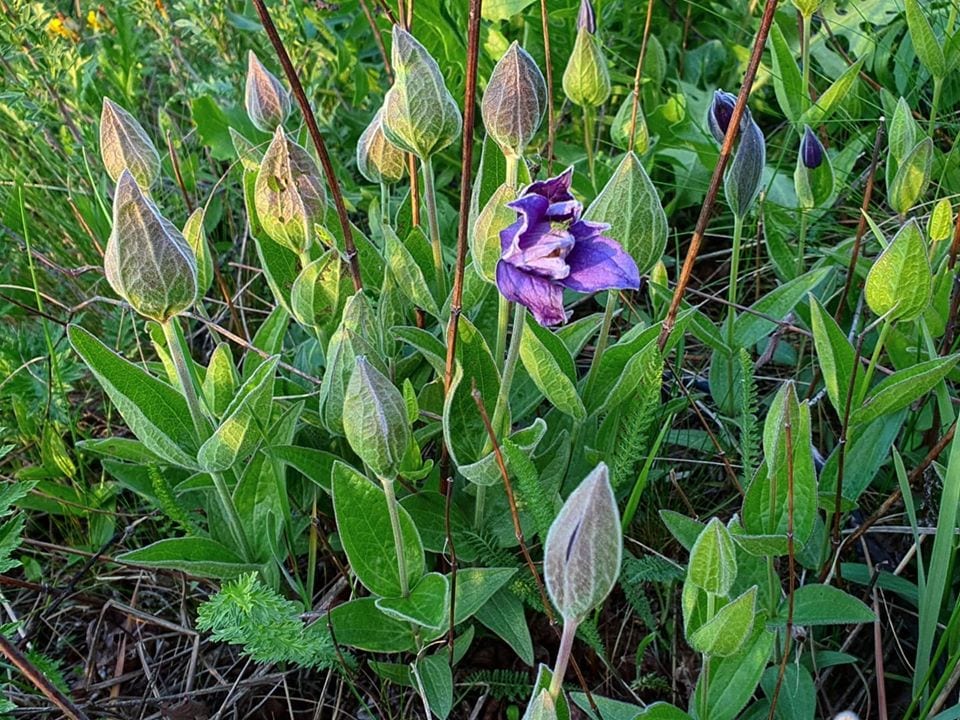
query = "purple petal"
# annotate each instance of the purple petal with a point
(542, 297)
(555, 189)
(599, 263)
(585, 18)
(542, 250)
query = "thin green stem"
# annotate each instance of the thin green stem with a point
(388, 489)
(805, 55)
(589, 120)
(732, 301)
(502, 407)
(503, 326)
(802, 242)
(384, 205)
(563, 657)
(513, 165)
(935, 104)
(430, 198)
(878, 348)
(608, 312)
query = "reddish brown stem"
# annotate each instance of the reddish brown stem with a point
(39, 680)
(551, 130)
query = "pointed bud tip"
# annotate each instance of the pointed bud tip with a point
(586, 18)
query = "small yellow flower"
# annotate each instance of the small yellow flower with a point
(93, 21)
(62, 27)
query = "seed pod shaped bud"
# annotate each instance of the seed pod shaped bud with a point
(124, 145)
(485, 243)
(583, 548)
(586, 19)
(742, 183)
(375, 421)
(147, 261)
(420, 115)
(267, 101)
(379, 160)
(811, 150)
(514, 101)
(720, 113)
(586, 80)
(289, 195)
(542, 707)
(807, 7)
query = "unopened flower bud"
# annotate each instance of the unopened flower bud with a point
(147, 261)
(586, 79)
(124, 145)
(379, 160)
(583, 548)
(267, 101)
(376, 422)
(742, 184)
(289, 195)
(586, 19)
(811, 150)
(720, 113)
(542, 707)
(514, 101)
(420, 115)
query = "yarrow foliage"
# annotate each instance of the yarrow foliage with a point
(549, 248)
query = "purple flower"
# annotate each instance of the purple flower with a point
(586, 20)
(811, 150)
(720, 113)
(549, 249)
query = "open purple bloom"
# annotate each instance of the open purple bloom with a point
(720, 113)
(811, 150)
(550, 248)
(586, 20)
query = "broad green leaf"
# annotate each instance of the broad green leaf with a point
(155, 412)
(751, 327)
(367, 535)
(359, 624)
(437, 678)
(629, 203)
(407, 274)
(868, 448)
(817, 604)
(733, 680)
(504, 615)
(616, 709)
(940, 225)
(713, 560)
(197, 556)
(787, 81)
(475, 586)
(925, 43)
(899, 390)
(197, 240)
(621, 367)
(797, 698)
(725, 633)
(551, 368)
(221, 380)
(244, 421)
(316, 294)
(835, 355)
(494, 10)
(684, 529)
(541, 707)
(902, 133)
(119, 448)
(426, 605)
(427, 345)
(315, 465)
(900, 283)
(279, 264)
(268, 339)
(830, 100)
(912, 178)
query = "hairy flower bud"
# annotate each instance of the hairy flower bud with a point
(124, 145)
(742, 183)
(147, 261)
(289, 195)
(267, 101)
(583, 548)
(420, 115)
(586, 19)
(586, 79)
(379, 160)
(376, 423)
(514, 101)
(811, 150)
(720, 113)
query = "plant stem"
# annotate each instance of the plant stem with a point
(384, 205)
(397, 535)
(430, 198)
(612, 297)
(513, 165)
(732, 302)
(805, 55)
(588, 127)
(503, 399)
(878, 348)
(935, 103)
(801, 242)
(503, 306)
(563, 657)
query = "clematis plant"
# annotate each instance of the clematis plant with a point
(550, 248)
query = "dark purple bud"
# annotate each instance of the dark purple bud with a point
(811, 150)
(586, 20)
(720, 113)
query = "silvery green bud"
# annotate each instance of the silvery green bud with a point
(124, 145)
(582, 553)
(379, 160)
(514, 101)
(375, 420)
(485, 241)
(420, 115)
(742, 183)
(289, 195)
(620, 129)
(267, 101)
(147, 261)
(542, 707)
(586, 80)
